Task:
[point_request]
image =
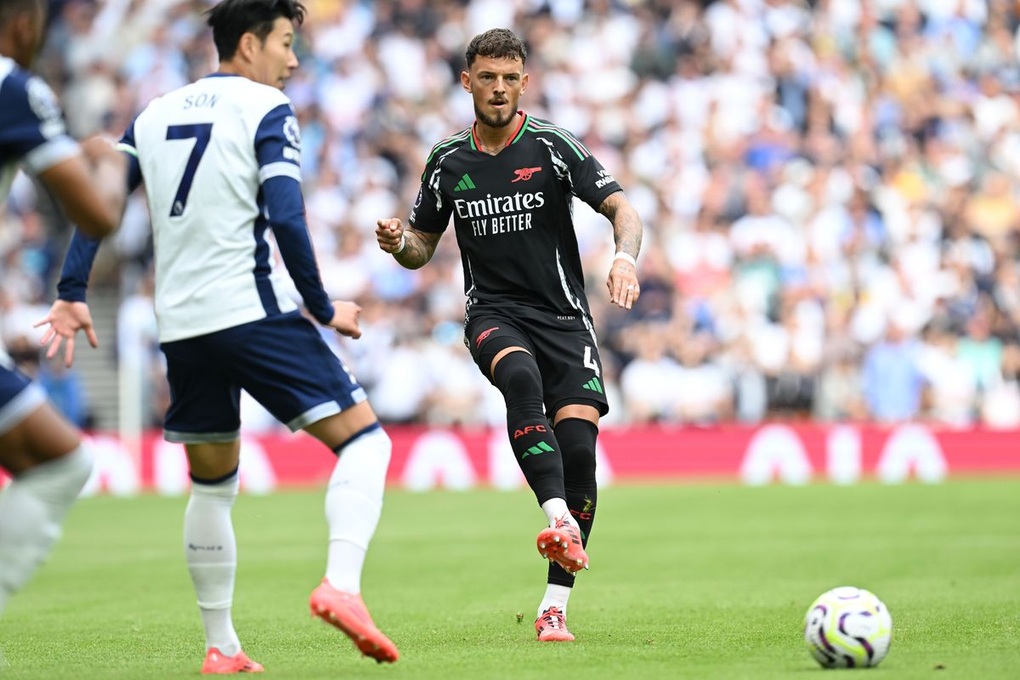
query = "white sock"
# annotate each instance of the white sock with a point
(353, 505)
(32, 511)
(556, 508)
(211, 553)
(555, 596)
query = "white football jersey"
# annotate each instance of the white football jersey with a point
(204, 151)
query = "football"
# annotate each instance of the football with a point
(848, 627)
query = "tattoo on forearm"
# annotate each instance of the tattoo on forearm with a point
(417, 251)
(627, 233)
(627, 229)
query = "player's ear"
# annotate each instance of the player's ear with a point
(465, 81)
(247, 46)
(524, 83)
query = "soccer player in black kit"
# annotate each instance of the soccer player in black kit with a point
(508, 181)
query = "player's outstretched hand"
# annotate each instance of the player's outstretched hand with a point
(65, 320)
(623, 284)
(389, 233)
(345, 318)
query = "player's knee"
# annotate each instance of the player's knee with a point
(518, 378)
(380, 445)
(372, 442)
(576, 437)
(362, 463)
(80, 463)
(223, 488)
(62, 478)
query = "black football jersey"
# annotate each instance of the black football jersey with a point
(513, 214)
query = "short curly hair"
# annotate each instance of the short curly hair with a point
(497, 43)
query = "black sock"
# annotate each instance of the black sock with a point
(531, 437)
(576, 438)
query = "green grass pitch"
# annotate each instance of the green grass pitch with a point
(687, 581)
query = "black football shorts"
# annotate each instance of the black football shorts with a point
(564, 346)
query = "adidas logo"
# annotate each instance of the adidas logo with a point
(541, 448)
(464, 184)
(593, 385)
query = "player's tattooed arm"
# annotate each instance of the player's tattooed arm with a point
(627, 229)
(623, 285)
(410, 247)
(419, 246)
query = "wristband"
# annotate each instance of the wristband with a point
(626, 257)
(403, 242)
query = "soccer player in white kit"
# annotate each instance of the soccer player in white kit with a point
(42, 452)
(220, 161)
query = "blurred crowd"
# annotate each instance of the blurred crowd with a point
(829, 191)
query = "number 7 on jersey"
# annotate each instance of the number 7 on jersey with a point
(200, 132)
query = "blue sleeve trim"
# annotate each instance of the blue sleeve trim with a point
(130, 149)
(286, 209)
(278, 143)
(74, 276)
(134, 173)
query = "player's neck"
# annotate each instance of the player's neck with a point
(233, 68)
(492, 140)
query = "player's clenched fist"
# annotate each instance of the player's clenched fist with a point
(390, 235)
(345, 318)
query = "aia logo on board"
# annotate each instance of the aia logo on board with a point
(484, 334)
(524, 174)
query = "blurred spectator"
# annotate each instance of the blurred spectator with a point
(65, 389)
(704, 387)
(980, 353)
(892, 381)
(650, 381)
(138, 351)
(807, 171)
(1000, 407)
(951, 386)
(839, 390)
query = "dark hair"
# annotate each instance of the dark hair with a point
(8, 8)
(231, 19)
(497, 43)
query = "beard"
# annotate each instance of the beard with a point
(495, 121)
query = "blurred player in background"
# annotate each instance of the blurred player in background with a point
(220, 160)
(508, 182)
(41, 450)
